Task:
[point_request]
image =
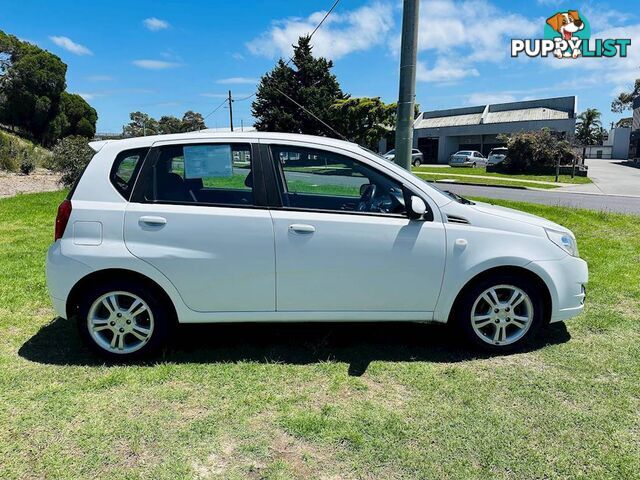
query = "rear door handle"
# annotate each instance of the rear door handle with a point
(156, 221)
(301, 228)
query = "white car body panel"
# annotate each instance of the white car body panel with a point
(352, 268)
(222, 259)
(381, 254)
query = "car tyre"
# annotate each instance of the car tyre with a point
(417, 162)
(500, 313)
(123, 320)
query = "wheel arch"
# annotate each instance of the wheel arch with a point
(512, 270)
(81, 286)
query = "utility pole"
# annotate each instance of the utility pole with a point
(407, 93)
(230, 111)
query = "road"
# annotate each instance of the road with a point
(610, 203)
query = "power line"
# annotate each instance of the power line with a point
(215, 109)
(326, 15)
(311, 113)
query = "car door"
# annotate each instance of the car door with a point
(198, 216)
(341, 247)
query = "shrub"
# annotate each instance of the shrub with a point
(535, 152)
(27, 165)
(8, 153)
(70, 156)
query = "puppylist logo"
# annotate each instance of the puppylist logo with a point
(568, 35)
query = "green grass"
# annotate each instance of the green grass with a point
(322, 401)
(465, 174)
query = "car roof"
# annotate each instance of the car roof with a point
(140, 142)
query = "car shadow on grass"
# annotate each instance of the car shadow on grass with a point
(357, 344)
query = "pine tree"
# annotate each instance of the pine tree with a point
(309, 82)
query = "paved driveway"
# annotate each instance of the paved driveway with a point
(610, 177)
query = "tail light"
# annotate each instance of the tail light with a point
(64, 212)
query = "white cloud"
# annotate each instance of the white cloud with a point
(340, 35)
(71, 46)
(155, 24)
(90, 96)
(155, 64)
(238, 81)
(485, 98)
(475, 29)
(463, 33)
(619, 72)
(444, 71)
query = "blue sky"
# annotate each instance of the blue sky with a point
(171, 56)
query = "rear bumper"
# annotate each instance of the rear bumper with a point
(62, 274)
(567, 280)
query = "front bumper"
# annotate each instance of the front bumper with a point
(566, 280)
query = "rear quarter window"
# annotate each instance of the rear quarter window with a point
(125, 170)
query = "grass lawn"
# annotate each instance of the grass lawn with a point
(322, 401)
(465, 174)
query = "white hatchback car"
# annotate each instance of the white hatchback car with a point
(266, 227)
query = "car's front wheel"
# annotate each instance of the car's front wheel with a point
(501, 312)
(123, 320)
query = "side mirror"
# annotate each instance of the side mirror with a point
(417, 207)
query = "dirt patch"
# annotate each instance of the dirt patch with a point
(40, 180)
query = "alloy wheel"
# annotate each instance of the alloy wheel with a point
(502, 315)
(120, 322)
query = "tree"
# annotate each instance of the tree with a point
(626, 122)
(141, 124)
(309, 82)
(81, 116)
(70, 156)
(535, 152)
(31, 83)
(588, 127)
(169, 124)
(624, 101)
(192, 122)
(364, 120)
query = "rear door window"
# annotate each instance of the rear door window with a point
(208, 174)
(125, 169)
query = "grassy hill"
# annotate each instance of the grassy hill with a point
(15, 150)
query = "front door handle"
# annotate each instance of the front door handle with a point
(154, 221)
(302, 228)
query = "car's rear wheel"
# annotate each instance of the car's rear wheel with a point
(417, 162)
(500, 313)
(123, 320)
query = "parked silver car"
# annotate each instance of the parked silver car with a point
(467, 158)
(417, 158)
(497, 155)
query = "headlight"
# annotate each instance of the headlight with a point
(564, 240)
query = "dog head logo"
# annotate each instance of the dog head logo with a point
(566, 25)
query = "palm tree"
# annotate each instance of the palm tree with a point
(589, 126)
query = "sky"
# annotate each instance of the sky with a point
(167, 57)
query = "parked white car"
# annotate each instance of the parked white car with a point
(266, 227)
(467, 158)
(417, 158)
(497, 155)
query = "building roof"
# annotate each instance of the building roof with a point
(450, 121)
(561, 108)
(525, 115)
